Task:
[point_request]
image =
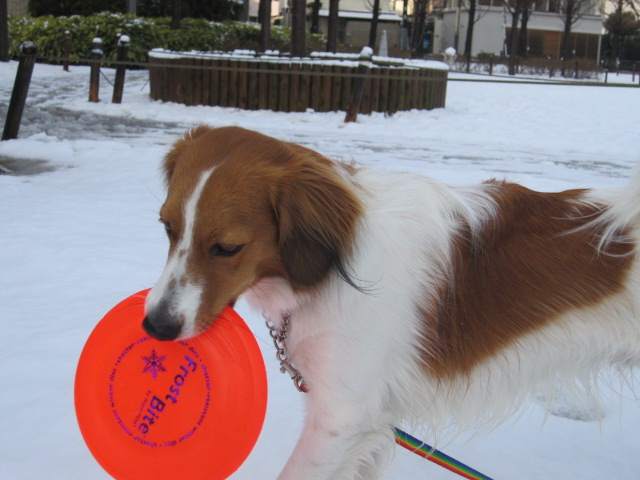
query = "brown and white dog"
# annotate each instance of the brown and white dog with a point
(409, 300)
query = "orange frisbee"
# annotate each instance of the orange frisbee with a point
(165, 410)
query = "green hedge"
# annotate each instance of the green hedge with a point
(145, 33)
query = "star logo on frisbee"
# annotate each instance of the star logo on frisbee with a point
(153, 364)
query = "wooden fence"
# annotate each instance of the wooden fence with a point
(292, 85)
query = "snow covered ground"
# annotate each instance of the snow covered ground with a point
(80, 237)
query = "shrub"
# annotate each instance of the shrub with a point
(145, 33)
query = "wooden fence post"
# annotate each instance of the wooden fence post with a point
(67, 51)
(94, 76)
(366, 56)
(121, 68)
(20, 89)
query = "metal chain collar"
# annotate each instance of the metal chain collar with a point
(279, 338)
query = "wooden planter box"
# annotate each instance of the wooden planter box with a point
(292, 85)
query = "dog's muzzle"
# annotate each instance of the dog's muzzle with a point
(160, 324)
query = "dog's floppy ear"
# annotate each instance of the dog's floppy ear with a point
(178, 148)
(317, 213)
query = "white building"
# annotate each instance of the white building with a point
(493, 27)
(17, 7)
(354, 22)
(254, 7)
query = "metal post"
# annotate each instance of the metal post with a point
(94, 76)
(118, 85)
(20, 89)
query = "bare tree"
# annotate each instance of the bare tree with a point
(332, 28)
(515, 7)
(570, 12)
(474, 16)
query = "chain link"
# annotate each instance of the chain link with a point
(279, 338)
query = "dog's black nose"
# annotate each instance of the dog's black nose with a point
(161, 330)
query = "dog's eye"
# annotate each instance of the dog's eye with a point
(225, 250)
(167, 229)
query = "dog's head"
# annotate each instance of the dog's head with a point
(242, 207)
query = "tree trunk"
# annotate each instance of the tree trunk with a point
(616, 41)
(298, 28)
(373, 31)
(513, 41)
(4, 32)
(264, 17)
(417, 32)
(315, 16)
(332, 28)
(405, 15)
(175, 15)
(468, 42)
(522, 35)
(568, 20)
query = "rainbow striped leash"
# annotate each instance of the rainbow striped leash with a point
(436, 456)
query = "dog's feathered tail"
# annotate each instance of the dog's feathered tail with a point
(620, 219)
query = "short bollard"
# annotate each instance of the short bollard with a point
(20, 89)
(121, 68)
(67, 50)
(358, 85)
(94, 76)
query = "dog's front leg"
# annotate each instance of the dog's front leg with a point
(342, 439)
(332, 452)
